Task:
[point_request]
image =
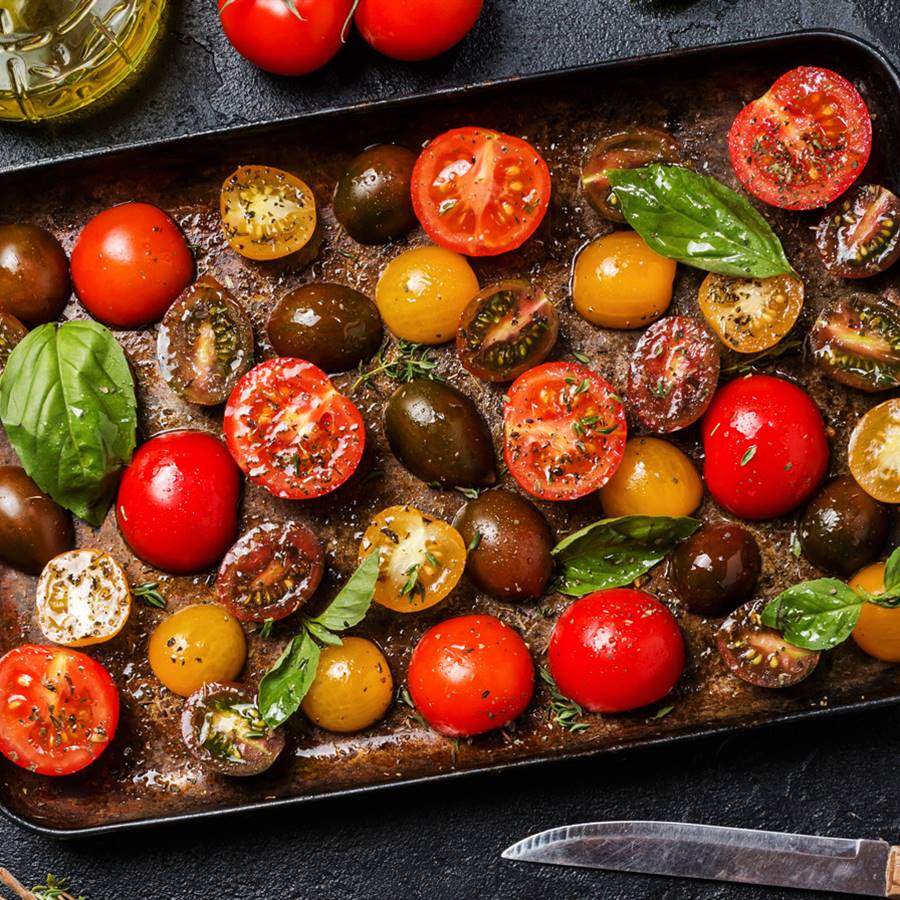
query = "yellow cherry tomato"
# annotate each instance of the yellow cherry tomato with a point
(422, 292)
(619, 282)
(352, 689)
(197, 645)
(877, 631)
(421, 559)
(874, 452)
(267, 213)
(654, 479)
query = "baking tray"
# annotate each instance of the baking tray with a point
(146, 777)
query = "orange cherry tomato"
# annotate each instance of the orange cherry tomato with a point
(877, 631)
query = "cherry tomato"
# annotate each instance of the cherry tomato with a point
(286, 38)
(564, 431)
(874, 452)
(751, 314)
(421, 558)
(129, 264)
(765, 445)
(470, 675)
(416, 29)
(11, 332)
(877, 631)
(480, 192)
(177, 503)
(616, 650)
(804, 142)
(290, 431)
(673, 374)
(59, 709)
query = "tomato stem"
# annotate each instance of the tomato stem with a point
(346, 29)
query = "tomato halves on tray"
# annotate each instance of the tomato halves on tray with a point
(290, 430)
(804, 142)
(59, 709)
(480, 192)
(564, 430)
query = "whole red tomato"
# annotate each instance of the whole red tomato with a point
(469, 675)
(765, 447)
(177, 503)
(129, 264)
(616, 650)
(416, 29)
(287, 38)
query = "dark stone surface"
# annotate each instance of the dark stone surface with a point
(834, 778)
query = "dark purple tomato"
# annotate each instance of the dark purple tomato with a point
(11, 332)
(34, 274)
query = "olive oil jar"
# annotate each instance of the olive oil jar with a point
(59, 56)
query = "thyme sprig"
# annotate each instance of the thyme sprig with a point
(562, 711)
(410, 361)
(742, 366)
(148, 594)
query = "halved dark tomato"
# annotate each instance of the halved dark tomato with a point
(59, 709)
(506, 330)
(11, 332)
(860, 236)
(267, 213)
(205, 343)
(223, 728)
(856, 341)
(623, 150)
(673, 374)
(760, 655)
(751, 314)
(480, 192)
(270, 572)
(804, 142)
(564, 429)
(290, 430)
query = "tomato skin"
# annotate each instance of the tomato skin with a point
(129, 265)
(616, 650)
(271, 36)
(177, 503)
(83, 689)
(765, 446)
(469, 675)
(413, 30)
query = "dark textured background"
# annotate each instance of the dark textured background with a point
(835, 778)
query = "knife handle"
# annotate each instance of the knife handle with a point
(893, 873)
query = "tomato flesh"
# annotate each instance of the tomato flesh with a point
(59, 709)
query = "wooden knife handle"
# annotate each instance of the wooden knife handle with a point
(893, 873)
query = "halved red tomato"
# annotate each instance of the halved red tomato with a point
(59, 709)
(804, 142)
(290, 430)
(564, 429)
(480, 192)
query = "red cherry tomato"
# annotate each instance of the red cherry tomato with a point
(129, 265)
(291, 431)
(177, 503)
(804, 142)
(765, 446)
(469, 675)
(416, 29)
(59, 709)
(616, 650)
(286, 38)
(480, 192)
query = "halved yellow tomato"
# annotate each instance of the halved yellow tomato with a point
(266, 213)
(421, 558)
(82, 598)
(874, 452)
(751, 314)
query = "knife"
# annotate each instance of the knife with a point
(861, 867)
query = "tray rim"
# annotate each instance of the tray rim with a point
(842, 38)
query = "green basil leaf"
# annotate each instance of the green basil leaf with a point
(815, 615)
(68, 406)
(697, 220)
(322, 634)
(284, 686)
(892, 573)
(352, 603)
(613, 552)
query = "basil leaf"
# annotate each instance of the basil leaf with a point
(816, 615)
(892, 574)
(352, 603)
(68, 406)
(613, 552)
(698, 221)
(284, 686)
(322, 634)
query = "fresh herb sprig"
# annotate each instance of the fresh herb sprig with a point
(409, 362)
(54, 888)
(563, 711)
(148, 594)
(746, 364)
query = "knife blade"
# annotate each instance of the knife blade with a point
(862, 867)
